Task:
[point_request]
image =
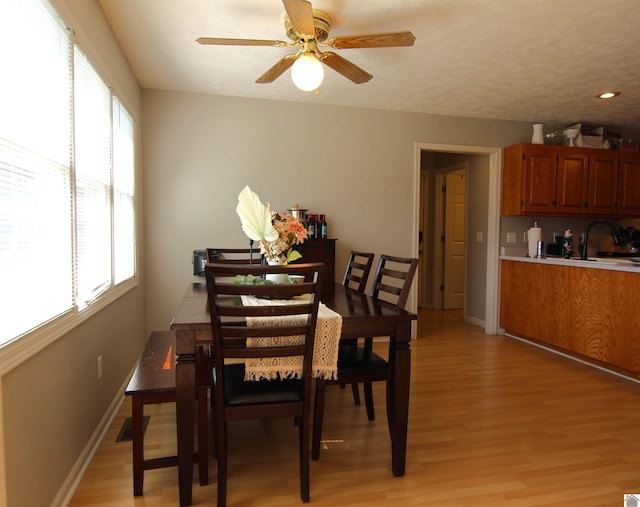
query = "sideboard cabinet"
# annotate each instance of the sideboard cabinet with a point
(320, 250)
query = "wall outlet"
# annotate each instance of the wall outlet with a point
(511, 237)
(99, 367)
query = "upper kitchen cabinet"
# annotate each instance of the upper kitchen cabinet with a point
(629, 184)
(603, 183)
(529, 180)
(548, 180)
(573, 182)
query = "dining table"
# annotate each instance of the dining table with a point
(362, 316)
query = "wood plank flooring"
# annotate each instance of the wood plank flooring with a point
(493, 422)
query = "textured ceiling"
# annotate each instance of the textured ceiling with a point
(528, 60)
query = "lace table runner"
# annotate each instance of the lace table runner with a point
(325, 349)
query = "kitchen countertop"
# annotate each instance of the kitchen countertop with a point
(617, 264)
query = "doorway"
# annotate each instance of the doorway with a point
(482, 199)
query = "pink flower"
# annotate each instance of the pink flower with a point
(290, 232)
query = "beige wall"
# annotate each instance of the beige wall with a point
(52, 405)
(355, 165)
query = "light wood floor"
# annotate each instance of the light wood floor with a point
(493, 422)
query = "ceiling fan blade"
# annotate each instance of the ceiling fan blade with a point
(278, 69)
(374, 40)
(345, 67)
(300, 14)
(240, 42)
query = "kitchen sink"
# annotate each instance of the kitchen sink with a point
(612, 262)
(599, 261)
(617, 254)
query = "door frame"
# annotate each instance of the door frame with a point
(493, 220)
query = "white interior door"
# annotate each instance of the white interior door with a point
(454, 238)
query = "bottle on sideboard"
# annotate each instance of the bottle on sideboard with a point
(312, 226)
(323, 226)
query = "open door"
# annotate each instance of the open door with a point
(454, 238)
(449, 235)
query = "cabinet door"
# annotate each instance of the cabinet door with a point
(540, 178)
(573, 182)
(629, 185)
(603, 184)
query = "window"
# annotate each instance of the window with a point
(67, 186)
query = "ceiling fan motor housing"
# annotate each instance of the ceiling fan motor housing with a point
(321, 22)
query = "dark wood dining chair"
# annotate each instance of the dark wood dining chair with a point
(356, 275)
(235, 326)
(392, 284)
(234, 255)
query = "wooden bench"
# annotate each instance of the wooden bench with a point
(154, 381)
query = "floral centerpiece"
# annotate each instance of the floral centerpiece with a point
(276, 232)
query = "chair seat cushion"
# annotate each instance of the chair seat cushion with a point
(357, 358)
(350, 356)
(245, 392)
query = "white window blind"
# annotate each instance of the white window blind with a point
(92, 130)
(35, 158)
(124, 216)
(67, 174)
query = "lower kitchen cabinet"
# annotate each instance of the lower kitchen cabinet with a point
(590, 313)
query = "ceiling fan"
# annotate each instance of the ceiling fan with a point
(308, 28)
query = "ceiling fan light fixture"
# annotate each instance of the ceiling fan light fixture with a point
(307, 72)
(607, 95)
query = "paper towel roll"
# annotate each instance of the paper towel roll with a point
(533, 236)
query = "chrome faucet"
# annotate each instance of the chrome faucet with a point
(583, 254)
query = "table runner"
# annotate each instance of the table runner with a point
(325, 349)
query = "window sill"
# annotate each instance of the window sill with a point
(21, 349)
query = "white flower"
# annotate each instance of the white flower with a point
(255, 217)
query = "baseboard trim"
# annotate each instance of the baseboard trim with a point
(475, 321)
(573, 358)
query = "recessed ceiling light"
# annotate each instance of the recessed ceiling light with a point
(607, 95)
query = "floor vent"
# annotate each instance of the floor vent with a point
(126, 432)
